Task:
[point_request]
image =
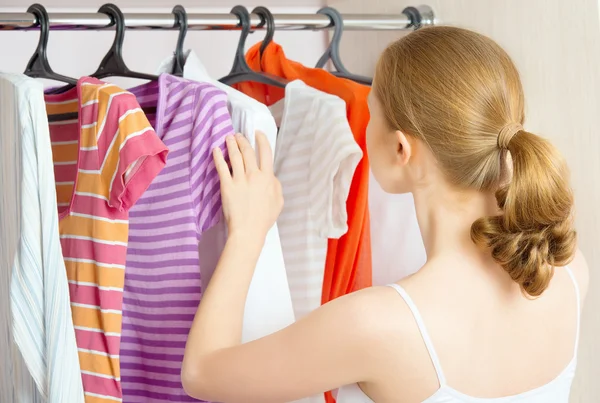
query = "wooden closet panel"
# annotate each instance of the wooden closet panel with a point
(556, 46)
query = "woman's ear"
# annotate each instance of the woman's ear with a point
(404, 150)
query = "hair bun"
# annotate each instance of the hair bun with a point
(535, 232)
(528, 256)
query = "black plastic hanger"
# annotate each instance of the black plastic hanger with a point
(240, 71)
(179, 56)
(38, 66)
(333, 50)
(267, 19)
(415, 17)
(113, 65)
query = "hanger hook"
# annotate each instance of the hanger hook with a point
(181, 21)
(333, 50)
(266, 18)
(415, 17)
(39, 60)
(239, 61)
(117, 18)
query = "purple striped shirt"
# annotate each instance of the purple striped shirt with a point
(162, 276)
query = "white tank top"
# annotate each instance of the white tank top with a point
(556, 391)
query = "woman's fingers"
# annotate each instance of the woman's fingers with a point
(235, 157)
(265, 154)
(247, 153)
(243, 157)
(221, 165)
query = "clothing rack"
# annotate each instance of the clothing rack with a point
(198, 21)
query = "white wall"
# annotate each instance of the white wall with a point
(79, 53)
(556, 45)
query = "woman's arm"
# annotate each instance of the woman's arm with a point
(324, 350)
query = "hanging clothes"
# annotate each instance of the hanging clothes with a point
(315, 160)
(103, 162)
(162, 278)
(21, 108)
(348, 265)
(269, 303)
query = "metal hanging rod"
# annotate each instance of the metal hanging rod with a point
(166, 21)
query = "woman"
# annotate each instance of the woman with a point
(494, 313)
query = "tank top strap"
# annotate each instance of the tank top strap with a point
(578, 296)
(424, 334)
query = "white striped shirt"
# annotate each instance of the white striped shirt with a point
(16, 384)
(315, 159)
(39, 294)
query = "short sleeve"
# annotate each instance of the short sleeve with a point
(211, 124)
(130, 153)
(333, 161)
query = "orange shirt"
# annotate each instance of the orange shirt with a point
(348, 265)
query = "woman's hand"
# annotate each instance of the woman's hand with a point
(337, 344)
(251, 194)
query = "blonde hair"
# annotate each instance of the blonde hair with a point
(457, 90)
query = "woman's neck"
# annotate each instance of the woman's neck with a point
(445, 217)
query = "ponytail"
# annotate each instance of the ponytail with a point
(534, 232)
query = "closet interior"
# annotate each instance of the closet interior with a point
(111, 208)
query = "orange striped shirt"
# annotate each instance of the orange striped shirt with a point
(103, 162)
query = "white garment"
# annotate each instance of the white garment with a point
(269, 304)
(397, 248)
(556, 391)
(315, 159)
(39, 291)
(16, 383)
